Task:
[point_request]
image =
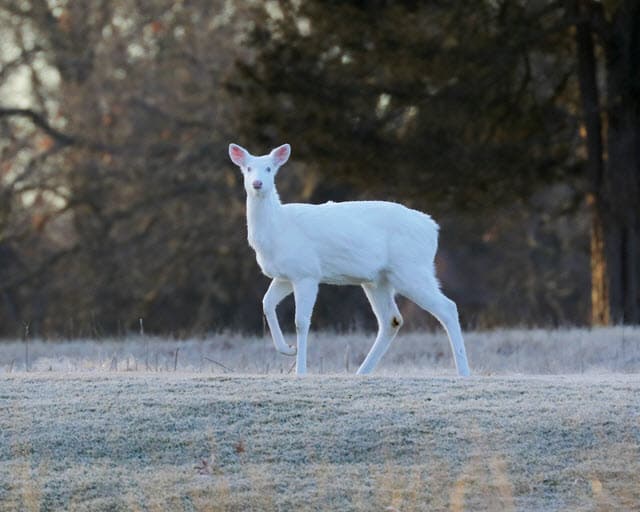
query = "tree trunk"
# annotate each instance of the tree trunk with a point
(600, 311)
(587, 78)
(614, 171)
(621, 184)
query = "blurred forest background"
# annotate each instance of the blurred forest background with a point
(516, 124)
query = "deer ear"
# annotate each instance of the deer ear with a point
(281, 154)
(238, 154)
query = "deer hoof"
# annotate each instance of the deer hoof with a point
(289, 351)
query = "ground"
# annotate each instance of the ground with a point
(217, 439)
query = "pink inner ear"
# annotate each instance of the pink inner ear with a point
(281, 153)
(237, 154)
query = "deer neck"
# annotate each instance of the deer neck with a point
(263, 220)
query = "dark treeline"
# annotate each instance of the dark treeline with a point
(515, 124)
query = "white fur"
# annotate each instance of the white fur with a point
(384, 247)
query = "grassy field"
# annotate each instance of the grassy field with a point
(80, 432)
(499, 352)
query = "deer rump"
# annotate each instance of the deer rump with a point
(353, 242)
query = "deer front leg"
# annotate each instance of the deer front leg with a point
(305, 293)
(278, 290)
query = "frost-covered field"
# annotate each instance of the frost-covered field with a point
(80, 432)
(533, 352)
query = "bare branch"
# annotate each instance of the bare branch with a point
(24, 58)
(40, 121)
(63, 139)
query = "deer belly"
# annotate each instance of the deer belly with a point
(290, 269)
(325, 260)
(349, 267)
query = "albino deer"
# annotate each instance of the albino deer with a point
(384, 247)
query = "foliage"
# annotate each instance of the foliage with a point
(117, 201)
(124, 182)
(455, 103)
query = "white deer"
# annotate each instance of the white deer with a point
(382, 246)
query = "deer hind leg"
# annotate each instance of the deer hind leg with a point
(278, 290)
(426, 294)
(382, 298)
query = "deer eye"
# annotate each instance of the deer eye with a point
(268, 169)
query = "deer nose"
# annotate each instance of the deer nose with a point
(257, 184)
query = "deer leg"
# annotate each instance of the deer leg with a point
(430, 298)
(305, 293)
(278, 290)
(382, 299)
